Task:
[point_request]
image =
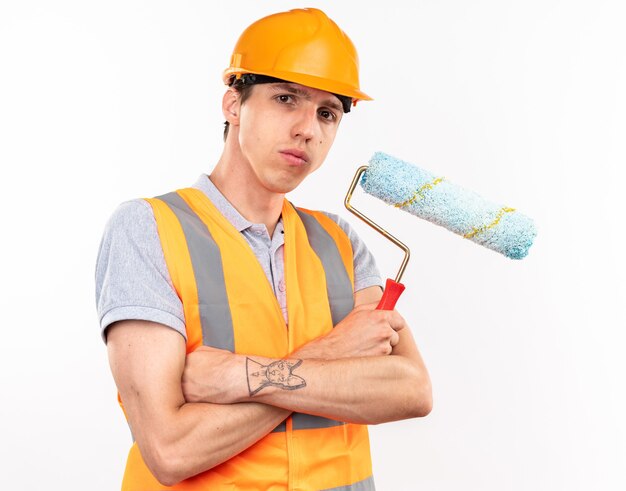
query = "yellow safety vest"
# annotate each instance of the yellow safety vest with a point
(229, 304)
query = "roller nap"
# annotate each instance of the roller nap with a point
(433, 198)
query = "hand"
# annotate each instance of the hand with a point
(363, 332)
(214, 375)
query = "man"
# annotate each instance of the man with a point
(242, 331)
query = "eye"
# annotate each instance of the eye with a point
(327, 115)
(285, 98)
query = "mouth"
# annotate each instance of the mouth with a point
(295, 156)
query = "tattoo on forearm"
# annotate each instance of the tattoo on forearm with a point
(278, 374)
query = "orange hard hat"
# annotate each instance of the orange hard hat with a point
(303, 46)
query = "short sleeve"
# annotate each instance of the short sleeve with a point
(132, 279)
(366, 272)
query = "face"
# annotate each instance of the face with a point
(284, 132)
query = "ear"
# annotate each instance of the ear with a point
(293, 364)
(230, 106)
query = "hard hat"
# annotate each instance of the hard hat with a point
(303, 46)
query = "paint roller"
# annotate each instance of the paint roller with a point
(419, 192)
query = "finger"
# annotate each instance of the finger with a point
(396, 321)
(394, 339)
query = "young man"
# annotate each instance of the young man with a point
(242, 332)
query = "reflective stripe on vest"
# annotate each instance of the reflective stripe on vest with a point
(303, 421)
(217, 324)
(229, 303)
(365, 485)
(337, 280)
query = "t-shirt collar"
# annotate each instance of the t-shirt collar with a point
(225, 207)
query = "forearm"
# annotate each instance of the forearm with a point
(199, 436)
(366, 370)
(360, 390)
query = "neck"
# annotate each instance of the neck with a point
(237, 182)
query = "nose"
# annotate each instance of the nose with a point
(306, 124)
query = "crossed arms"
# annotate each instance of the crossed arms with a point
(366, 370)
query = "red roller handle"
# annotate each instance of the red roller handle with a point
(391, 295)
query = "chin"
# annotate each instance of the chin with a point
(283, 187)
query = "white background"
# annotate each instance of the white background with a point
(523, 102)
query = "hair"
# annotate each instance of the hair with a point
(244, 92)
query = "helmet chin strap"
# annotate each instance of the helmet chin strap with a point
(253, 78)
